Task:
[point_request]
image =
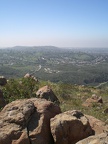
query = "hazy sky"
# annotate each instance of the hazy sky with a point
(63, 23)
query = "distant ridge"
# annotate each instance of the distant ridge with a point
(55, 48)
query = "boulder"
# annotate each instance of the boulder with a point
(97, 125)
(93, 100)
(27, 121)
(2, 101)
(3, 80)
(47, 93)
(94, 96)
(97, 139)
(70, 127)
(27, 75)
(31, 76)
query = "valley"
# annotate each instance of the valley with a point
(76, 66)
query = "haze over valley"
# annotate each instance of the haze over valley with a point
(72, 65)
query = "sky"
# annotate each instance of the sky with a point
(62, 23)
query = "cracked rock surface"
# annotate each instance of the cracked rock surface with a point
(97, 125)
(47, 93)
(70, 127)
(27, 121)
(97, 139)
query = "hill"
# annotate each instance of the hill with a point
(70, 65)
(56, 112)
(70, 96)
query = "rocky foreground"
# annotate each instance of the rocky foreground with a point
(38, 121)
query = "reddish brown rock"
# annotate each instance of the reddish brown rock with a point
(70, 127)
(97, 139)
(23, 139)
(2, 101)
(27, 121)
(97, 125)
(46, 110)
(93, 100)
(47, 93)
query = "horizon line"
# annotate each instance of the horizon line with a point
(49, 46)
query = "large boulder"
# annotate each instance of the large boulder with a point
(101, 132)
(27, 122)
(2, 101)
(97, 139)
(47, 93)
(93, 100)
(70, 127)
(97, 125)
(3, 80)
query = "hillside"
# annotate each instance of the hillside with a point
(70, 96)
(38, 112)
(70, 65)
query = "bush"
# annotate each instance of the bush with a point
(19, 89)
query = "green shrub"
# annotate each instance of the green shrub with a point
(19, 89)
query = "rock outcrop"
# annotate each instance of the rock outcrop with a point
(97, 125)
(27, 122)
(97, 139)
(38, 121)
(3, 80)
(31, 76)
(47, 93)
(2, 101)
(70, 127)
(27, 75)
(93, 100)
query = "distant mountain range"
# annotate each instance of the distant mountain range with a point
(54, 48)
